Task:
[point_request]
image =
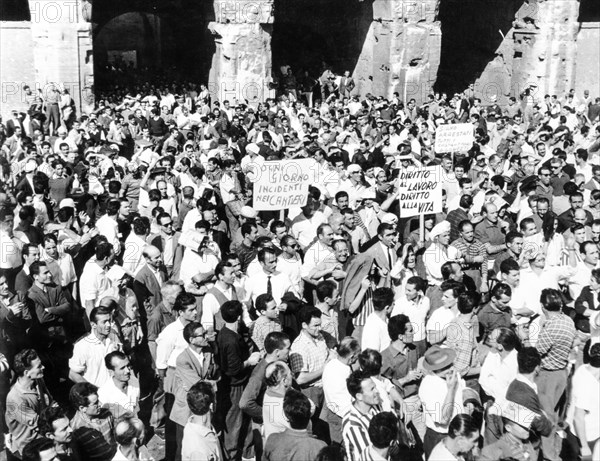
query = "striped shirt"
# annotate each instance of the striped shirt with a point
(555, 341)
(471, 251)
(355, 431)
(365, 309)
(369, 454)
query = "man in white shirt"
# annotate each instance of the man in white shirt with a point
(318, 252)
(415, 305)
(337, 398)
(289, 262)
(107, 225)
(87, 363)
(439, 252)
(222, 291)
(93, 280)
(121, 393)
(268, 280)
(133, 259)
(375, 332)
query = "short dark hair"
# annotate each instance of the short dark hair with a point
(183, 300)
(247, 227)
(418, 283)
(23, 360)
(467, 302)
(263, 252)
(32, 451)
(528, 358)
(383, 297)
(200, 397)
(551, 300)
(456, 287)
(100, 310)
(296, 408)
(501, 289)
(110, 356)
(47, 417)
(370, 362)
(512, 236)
(262, 301)
(509, 265)
(325, 289)
(354, 382)
(462, 425)
(231, 311)
(80, 393)
(397, 326)
(103, 250)
(275, 341)
(308, 313)
(34, 268)
(383, 429)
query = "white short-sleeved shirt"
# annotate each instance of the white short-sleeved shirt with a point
(118, 401)
(93, 282)
(88, 359)
(432, 392)
(337, 397)
(439, 320)
(585, 395)
(375, 333)
(416, 312)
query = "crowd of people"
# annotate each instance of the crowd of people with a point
(142, 295)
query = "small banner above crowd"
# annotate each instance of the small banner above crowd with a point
(454, 138)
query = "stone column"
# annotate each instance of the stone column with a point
(62, 50)
(241, 65)
(402, 50)
(541, 48)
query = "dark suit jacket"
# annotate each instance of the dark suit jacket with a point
(524, 395)
(23, 282)
(593, 302)
(157, 241)
(54, 300)
(145, 286)
(24, 186)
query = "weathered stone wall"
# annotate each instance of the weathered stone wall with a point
(241, 65)
(402, 50)
(587, 64)
(541, 48)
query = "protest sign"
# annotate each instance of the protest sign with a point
(283, 184)
(454, 138)
(420, 191)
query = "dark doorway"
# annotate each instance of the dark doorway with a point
(311, 34)
(472, 31)
(14, 10)
(156, 42)
(589, 11)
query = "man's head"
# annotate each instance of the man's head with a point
(40, 273)
(576, 201)
(490, 212)
(54, 424)
(118, 366)
(362, 388)
(266, 305)
(267, 257)
(383, 430)
(510, 272)
(165, 221)
(153, 256)
(297, 409)
(84, 398)
(328, 293)
(249, 231)
(310, 319)
(589, 252)
(40, 449)
(341, 250)
(185, 306)
(27, 363)
(325, 234)
(201, 398)
(400, 327)
(31, 254)
(387, 235)
(129, 431)
(277, 345)
(501, 296)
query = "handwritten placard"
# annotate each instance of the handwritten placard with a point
(454, 138)
(420, 191)
(283, 184)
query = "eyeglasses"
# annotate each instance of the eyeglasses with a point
(544, 174)
(169, 224)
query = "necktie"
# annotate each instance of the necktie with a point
(269, 286)
(389, 252)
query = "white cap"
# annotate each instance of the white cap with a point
(66, 203)
(252, 148)
(248, 212)
(440, 229)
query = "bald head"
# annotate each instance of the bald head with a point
(579, 216)
(153, 256)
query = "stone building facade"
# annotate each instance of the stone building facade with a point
(546, 44)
